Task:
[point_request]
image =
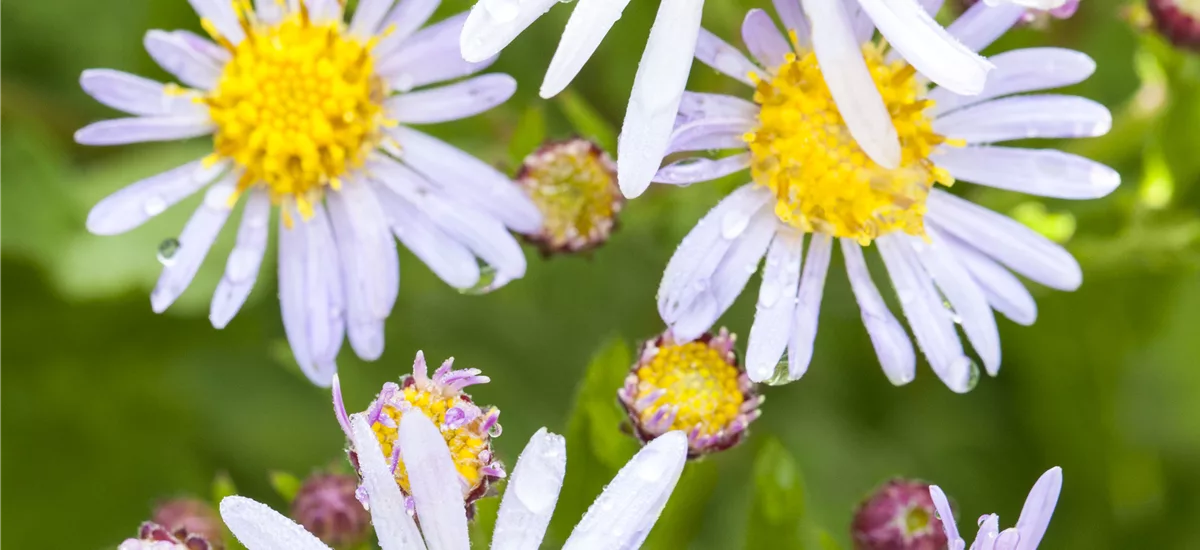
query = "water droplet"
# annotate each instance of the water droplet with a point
(733, 224)
(243, 262)
(969, 371)
(154, 205)
(167, 250)
(981, 519)
(486, 283)
(904, 295)
(769, 294)
(403, 82)
(503, 11)
(751, 267)
(217, 197)
(781, 375)
(495, 430)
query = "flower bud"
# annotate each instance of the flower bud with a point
(900, 515)
(327, 507)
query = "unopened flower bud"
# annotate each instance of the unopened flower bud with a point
(327, 507)
(574, 185)
(900, 515)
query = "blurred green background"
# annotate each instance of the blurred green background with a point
(108, 407)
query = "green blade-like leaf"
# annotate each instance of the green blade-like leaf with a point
(587, 121)
(528, 135)
(683, 517)
(286, 484)
(777, 512)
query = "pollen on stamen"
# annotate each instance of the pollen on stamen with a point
(697, 387)
(822, 180)
(297, 107)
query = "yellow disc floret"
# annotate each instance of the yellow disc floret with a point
(803, 152)
(297, 106)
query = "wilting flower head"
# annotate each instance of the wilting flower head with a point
(328, 507)
(467, 428)
(186, 517)
(574, 185)
(152, 536)
(307, 113)
(620, 518)
(695, 387)
(1031, 526)
(950, 261)
(1178, 20)
(900, 515)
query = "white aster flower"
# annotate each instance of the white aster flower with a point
(810, 176)
(306, 113)
(1031, 526)
(620, 518)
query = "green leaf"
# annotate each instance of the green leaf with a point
(528, 135)
(777, 510)
(683, 517)
(222, 487)
(286, 484)
(596, 446)
(587, 121)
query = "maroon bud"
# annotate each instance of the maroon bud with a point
(1178, 20)
(326, 507)
(898, 516)
(185, 517)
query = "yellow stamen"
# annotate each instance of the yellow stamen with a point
(298, 106)
(822, 180)
(697, 382)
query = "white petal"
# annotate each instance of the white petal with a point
(763, 39)
(697, 169)
(321, 11)
(138, 96)
(270, 11)
(1038, 508)
(730, 277)
(370, 267)
(121, 131)
(1043, 172)
(405, 18)
(1021, 249)
(860, 21)
(468, 179)
(452, 102)
(1035, 4)
(1008, 539)
(892, 344)
(429, 56)
(808, 305)
(395, 529)
(241, 269)
(132, 205)
(1004, 291)
(694, 106)
(176, 56)
(945, 514)
(776, 305)
(709, 134)
(215, 53)
(1018, 71)
(531, 493)
(258, 527)
(793, 19)
(927, 46)
(367, 17)
(922, 305)
(223, 17)
(445, 256)
(959, 288)
(587, 26)
(701, 251)
(195, 240)
(982, 24)
(435, 483)
(932, 7)
(623, 515)
(726, 59)
(486, 32)
(1024, 117)
(989, 529)
(657, 92)
(310, 293)
(850, 82)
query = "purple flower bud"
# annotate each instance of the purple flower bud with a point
(574, 185)
(327, 507)
(186, 517)
(1177, 20)
(900, 515)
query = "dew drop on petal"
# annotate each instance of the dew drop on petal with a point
(733, 224)
(154, 205)
(486, 282)
(502, 11)
(167, 250)
(495, 430)
(781, 375)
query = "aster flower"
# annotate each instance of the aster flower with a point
(467, 428)
(810, 177)
(620, 518)
(900, 515)
(306, 114)
(574, 185)
(1031, 526)
(696, 387)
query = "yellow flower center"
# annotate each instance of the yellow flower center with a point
(697, 382)
(803, 152)
(297, 106)
(466, 442)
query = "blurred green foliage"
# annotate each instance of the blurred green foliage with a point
(108, 407)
